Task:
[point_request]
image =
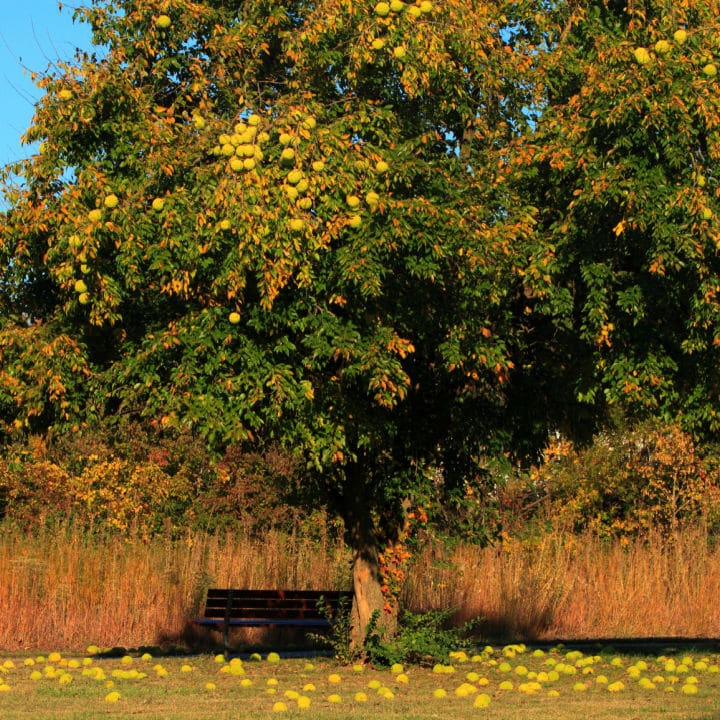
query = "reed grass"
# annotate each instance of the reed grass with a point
(63, 588)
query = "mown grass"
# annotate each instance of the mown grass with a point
(492, 684)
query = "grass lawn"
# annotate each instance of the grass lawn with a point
(512, 683)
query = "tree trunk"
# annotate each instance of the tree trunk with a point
(365, 543)
(369, 598)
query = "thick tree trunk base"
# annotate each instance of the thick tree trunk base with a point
(368, 600)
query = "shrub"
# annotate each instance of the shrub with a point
(421, 639)
(647, 478)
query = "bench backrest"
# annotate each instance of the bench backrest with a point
(227, 603)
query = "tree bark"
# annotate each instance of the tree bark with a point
(365, 542)
(369, 598)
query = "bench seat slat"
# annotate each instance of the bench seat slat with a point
(262, 622)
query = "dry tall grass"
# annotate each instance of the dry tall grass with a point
(578, 587)
(64, 589)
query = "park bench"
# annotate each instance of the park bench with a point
(227, 608)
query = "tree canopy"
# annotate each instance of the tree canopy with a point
(389, 236)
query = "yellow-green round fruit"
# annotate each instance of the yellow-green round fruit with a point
(95, 215)
(111, 201)
(372, 198)
(158, 204)
(285, 138)
(382, 9)
(253, 120)
(84, 298)
(84, 269)
(199, 121)
(397, 5)
(355, 221)
(297, 224)
(381, 166)
(377, 44)
(65, 94)
(642, 56)
(414, 11)
(228, 149)
(426, 6)
(707, 213)
(234, 317)
(249, 163)
(287, 155)
(245, 150)
(318, 166)
(662, 47)
(74, 241)
(305, 203)
(302, 186)
(225, 224)
(353, 201)
(80, 286)
(291, 192)
(163, 21)
(309, 123)
(236, 164)
(295, 176)
(710, 70)
(680, 36)
(399, 52)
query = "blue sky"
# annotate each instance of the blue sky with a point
(33, 34)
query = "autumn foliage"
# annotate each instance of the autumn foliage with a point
(389, 239)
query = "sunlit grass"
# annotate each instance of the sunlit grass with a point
(558, 683)
(66, 588)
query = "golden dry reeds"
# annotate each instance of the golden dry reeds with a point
(567, 586)
(63, 588)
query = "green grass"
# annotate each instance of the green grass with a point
(178, 694)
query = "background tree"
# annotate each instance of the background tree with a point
(624, 166)
(280, 221)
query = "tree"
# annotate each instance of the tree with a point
(623, 164)
(280, 221)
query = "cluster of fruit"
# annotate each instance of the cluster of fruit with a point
(385, 9)
(243, 147)
(664, 47)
